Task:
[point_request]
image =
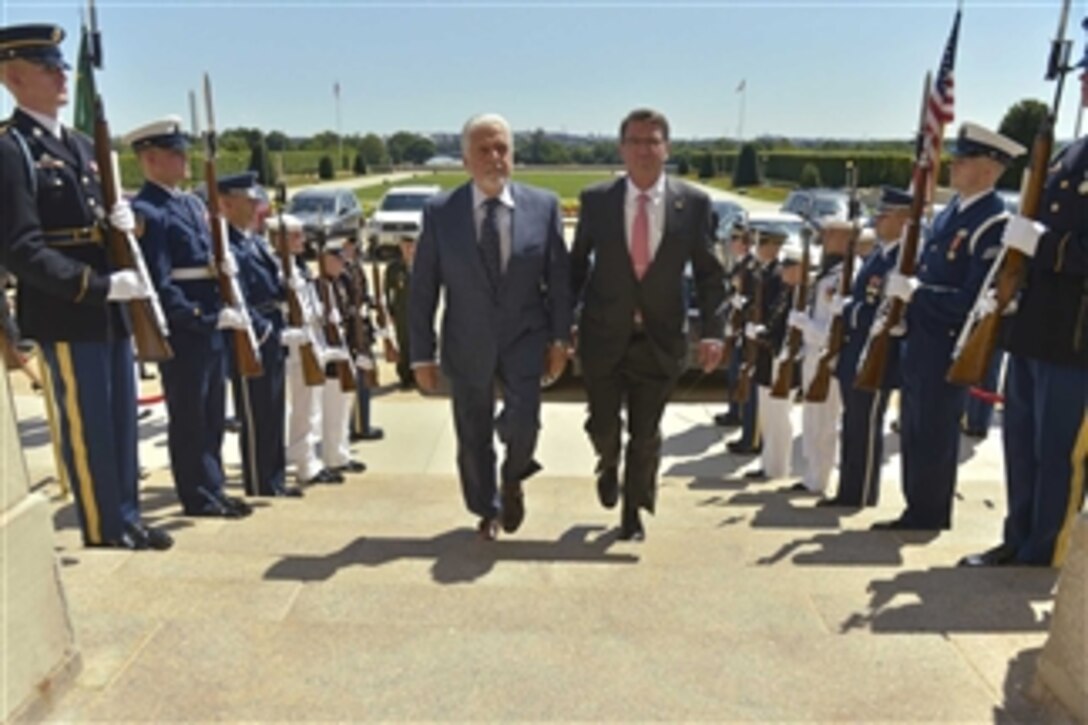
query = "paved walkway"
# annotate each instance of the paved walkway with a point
(374, 600)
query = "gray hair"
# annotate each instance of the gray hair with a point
(479, 121)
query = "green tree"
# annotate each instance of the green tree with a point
(419, 149)
(1020, 123)
(277, 141)
(746, 172)
(325, 169)
(683, 166)
(706, 165)
(373, 151)
(397, 144)
(810, 176)
(260, 161)
(359, 167)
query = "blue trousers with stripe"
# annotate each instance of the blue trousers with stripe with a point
(95, 392)
(261, 406)
(1046, 450)
(194, 382)
(861, 446)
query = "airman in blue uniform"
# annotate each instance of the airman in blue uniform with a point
(260, 401)
(52, 225)
(861, 438)
(959, 249)
(1045, 430)
(177, 244)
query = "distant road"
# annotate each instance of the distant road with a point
(747, 203)
(357, 182)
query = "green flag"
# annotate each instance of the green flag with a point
(85, 94)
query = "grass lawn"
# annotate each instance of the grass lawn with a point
(565, 184)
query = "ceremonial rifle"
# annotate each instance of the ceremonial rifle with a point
(821, 381)
(735, 323)
(357, 279)
(874, 358)
(783, 381)
(978, 338)
(312, 372)
(333, 335)
(750, 348)
(246, 349)
(149, 327)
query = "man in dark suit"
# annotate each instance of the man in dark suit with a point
(497, 249)
(635, 236)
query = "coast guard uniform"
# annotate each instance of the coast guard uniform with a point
(52, 238)
(959, 250)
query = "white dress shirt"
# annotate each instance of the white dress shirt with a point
(502, 218)
(655, 210)
(49, 123)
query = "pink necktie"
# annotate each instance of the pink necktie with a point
(640, 238)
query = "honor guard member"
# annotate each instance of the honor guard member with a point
(741, 281)
(820, 421)
(861, 441)
(360, 334)
(1044, 428)
(52, 238)
(177, 244)
(335, 401)
(398, 277)
(959, 249)
(765, 270)
(304, 413)
(259, 401)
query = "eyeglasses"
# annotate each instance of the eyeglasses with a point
(640, 142)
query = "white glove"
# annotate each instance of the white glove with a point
(364, 362)
(293, 337)
(230, 264)
(753, 330)
(1022, 234)
(838, 302)
(296, 282)
(798, 320)
(738, 302)
(336, 354)
(127, 285)
(121, 217)
(901, 286)
(334, 316)
(230, 319)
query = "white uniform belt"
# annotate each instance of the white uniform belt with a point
(189, 274)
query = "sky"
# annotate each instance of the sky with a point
(835, 69)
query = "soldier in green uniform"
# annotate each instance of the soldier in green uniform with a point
(398, 276)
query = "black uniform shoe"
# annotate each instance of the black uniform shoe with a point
(151, 537)
(608, 487)
(235, 504)
(232, 425)
(1001, 555)
(351, 466)
(513, 506)
(757, 475)
(287, 492)
(802, 488)
(901, 525)
(373, 434)
(727, 420)
(212, 509)
(631, 525)
(743, 450)
(327, 476)
(835, 502)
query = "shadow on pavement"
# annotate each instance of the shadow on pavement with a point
(1018, 705)
(778, 509)
(459, 555)
(952, 599)
(848, 548)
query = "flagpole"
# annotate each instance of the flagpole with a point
(740, 115)
(339, 134)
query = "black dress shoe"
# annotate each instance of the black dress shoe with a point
(373, 434)
(327, 476)
(743, 450)
(488, 529)
(131, 540)
(513, 506)
(232, 425)
(235, 504)
(757, 475)
(287, 492)
(802, 488)
(835, 502)
(727, 420)
(1001, 555)
(901, 525)
(152, 538)
(352, 466)
(631, 526)
(608, 486)
(213, 509)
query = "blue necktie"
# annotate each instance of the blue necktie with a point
(489, 243)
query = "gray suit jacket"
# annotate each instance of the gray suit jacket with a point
(605, 285)
(483, 327)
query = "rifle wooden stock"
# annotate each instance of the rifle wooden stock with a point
(312, 372)
(344, 371)
(750, 349)
(148, 328)
(357, 273)
(973, 359)
(246, 354)
(783, 381)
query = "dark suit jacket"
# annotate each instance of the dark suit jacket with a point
(604, 282)
(481, 326)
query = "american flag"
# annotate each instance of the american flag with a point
(941, 102)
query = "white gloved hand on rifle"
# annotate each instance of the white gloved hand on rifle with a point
(296, 282)
(127, 285)
(1022, 234)
(364, 362)
(737, 302)
(121, 217)
(753, 330)
(334, 316)
(335, 354)
(838, 302)
(798, 320)
(231, 319)
(293, 337)
(900, 286)
(229, 266)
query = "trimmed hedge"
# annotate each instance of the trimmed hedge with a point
(874, 167)
(227, 162)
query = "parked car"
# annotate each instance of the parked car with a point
(399, 213)
(332, 213)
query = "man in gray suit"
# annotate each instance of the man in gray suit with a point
(496, 248)
(635, 236)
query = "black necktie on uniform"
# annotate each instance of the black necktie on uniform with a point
(490, 249)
